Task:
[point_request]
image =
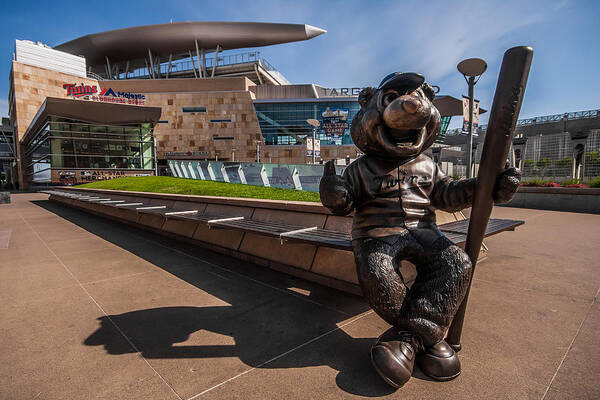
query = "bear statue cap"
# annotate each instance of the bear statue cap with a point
(402, 80)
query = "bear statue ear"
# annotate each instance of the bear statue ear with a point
(365, 96)
(428, 90)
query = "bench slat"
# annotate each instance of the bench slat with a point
(494, 226)
(455, 231)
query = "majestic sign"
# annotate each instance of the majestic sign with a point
(107, 95)
(335, 122)
(186, 153)
(466, 121)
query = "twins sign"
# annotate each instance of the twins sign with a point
(106, 95)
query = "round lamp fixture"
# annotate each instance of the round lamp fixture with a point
(472, 67)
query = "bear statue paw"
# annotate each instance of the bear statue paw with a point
(393, 356)
(439, 362)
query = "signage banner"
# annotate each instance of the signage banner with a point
(338, 92)
(77, 176)
(41, 172)
(184, 154)
(335, 122)
(309, 147)
(466, 121)
(290, 176)
(106, 95)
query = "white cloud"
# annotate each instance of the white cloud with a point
(367, 40)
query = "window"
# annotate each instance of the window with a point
(285, 123)
(74, 144)
(194, 109)
(220, 120)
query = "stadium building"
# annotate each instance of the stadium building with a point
(125, 102)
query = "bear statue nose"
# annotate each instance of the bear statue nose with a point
(410, 105)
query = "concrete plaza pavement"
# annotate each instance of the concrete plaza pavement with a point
(94, 309)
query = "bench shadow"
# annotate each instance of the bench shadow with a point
(156, 332)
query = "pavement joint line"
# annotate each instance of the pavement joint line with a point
(339, 327)
(248, 278)
(5, 238)
(133, 346)
(117, 277)
(587, 314)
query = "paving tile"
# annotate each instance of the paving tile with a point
(81, 246)
(578, 375)
(525, 259)
(327, 297)
(4, 238)
(32, 251)
(21, 238)
(44, 354)
(55, 233)
(198, 329)
(22, 280)
(8, 215)
(43, 218)
(105, 264)
(522, 331)
(338, 366)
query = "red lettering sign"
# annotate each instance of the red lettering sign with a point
(79, 91)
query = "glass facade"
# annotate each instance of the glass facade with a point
(63, 143)
(284, 123)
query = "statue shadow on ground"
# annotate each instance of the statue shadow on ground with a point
(156, 332)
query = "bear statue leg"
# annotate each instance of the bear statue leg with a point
(394, 354)
(443, 275)
(377, 271)
(420, 315)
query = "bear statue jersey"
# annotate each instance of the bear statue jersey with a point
(393, 195)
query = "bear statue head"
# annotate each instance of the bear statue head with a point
(398, 119)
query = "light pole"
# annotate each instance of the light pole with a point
(257, 151)
(315, 124)
(471, 68)
(154, 156)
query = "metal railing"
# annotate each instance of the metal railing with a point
(557, 117)
(542, 120)
(186, 65)
(95, 76)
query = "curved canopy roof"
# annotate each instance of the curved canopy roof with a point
(164, 39)
(94, 112)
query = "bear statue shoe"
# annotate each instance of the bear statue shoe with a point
(439, 362)
(394, 355)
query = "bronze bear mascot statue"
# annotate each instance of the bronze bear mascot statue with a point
(395, 190)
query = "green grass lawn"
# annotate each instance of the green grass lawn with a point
(166, 184)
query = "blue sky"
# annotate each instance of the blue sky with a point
(366, 40)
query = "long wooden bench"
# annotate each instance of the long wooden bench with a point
(455, 231)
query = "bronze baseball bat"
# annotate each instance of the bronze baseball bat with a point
(501, 126)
